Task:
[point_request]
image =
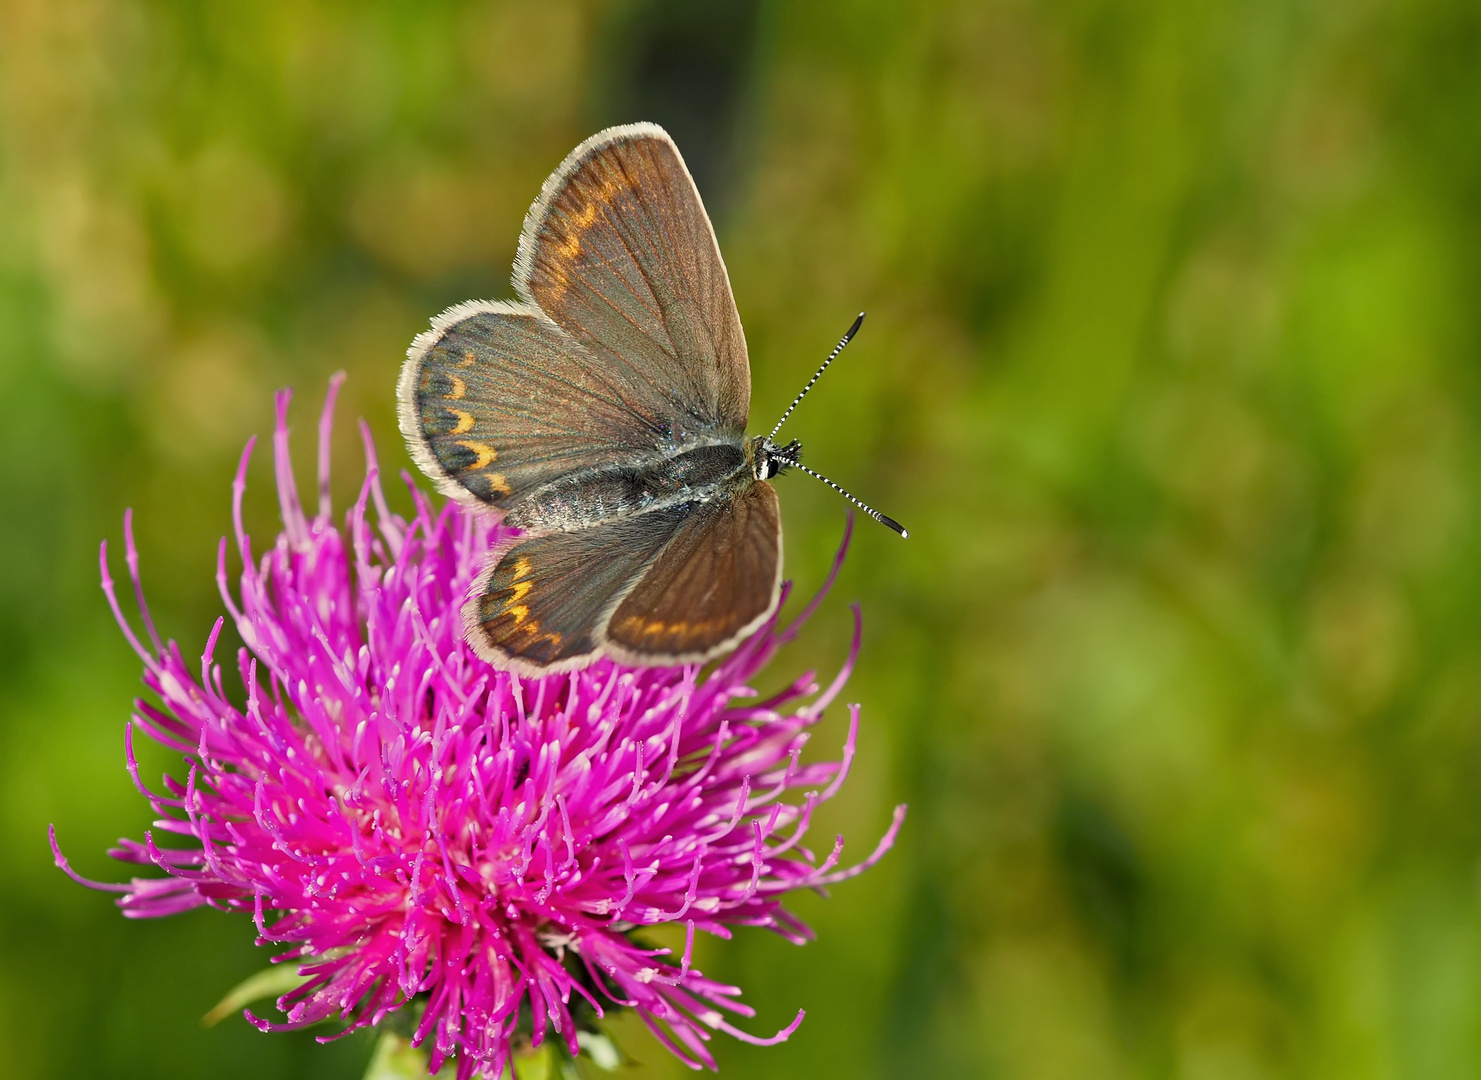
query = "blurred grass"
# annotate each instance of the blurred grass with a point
(1170, 368)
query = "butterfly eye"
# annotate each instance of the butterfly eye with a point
(776, 459)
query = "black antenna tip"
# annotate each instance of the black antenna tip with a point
(891, 523)
(852, 330)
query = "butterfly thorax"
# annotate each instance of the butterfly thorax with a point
(767, 459)
(579, 500)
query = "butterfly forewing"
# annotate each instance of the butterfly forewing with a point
(545, 604)
(717, 579)
(619, 252)
(497, 400)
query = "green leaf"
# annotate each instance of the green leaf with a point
(535, 1065)
(604, 1053)
(271, 983)
(396, 1059)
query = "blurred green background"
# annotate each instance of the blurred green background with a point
(1171, 368)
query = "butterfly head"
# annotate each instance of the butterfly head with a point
(768, 459)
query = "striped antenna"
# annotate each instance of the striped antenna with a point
(884, 519)
(852, 330)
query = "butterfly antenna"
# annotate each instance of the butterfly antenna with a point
(884, 519)
(852, 330)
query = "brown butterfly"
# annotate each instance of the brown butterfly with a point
(604, 415)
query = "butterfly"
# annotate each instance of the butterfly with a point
(603, 414)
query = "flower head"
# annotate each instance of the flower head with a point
(418, 826)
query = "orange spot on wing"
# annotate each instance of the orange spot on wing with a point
(465, 422)
(499, 483)
(531, 627)
(516, 620)
(459, 388)
(486, 456)
(638, 627)
(570, 245)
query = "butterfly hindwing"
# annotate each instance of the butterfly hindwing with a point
(497, 400)
(619, 251)
(717, 579)
(545, 603)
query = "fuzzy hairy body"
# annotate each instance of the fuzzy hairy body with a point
(591, 497)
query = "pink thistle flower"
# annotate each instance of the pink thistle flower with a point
(418, 825)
